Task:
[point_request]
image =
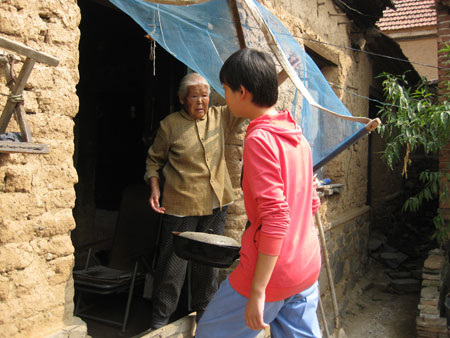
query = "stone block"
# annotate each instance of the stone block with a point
(426, 334)
(429, 292)
(15, 256)
(236, 222)
(18, 179)
(62, 268)
(429, 276)
(5, 288)
(441, 322)
(237, 208)
(56, 177)
(15, 231)
(58, 199)
(17, 206)
(427, 282)
(53, 247)
(436, 251)
(430, 302)
(54, 223)
(428, 309)
(429, 317)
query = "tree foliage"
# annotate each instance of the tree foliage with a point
(414, 118)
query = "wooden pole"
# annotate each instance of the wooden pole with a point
(282, 59)
(324, 320)
(328, 268)
(16, 91)
(28, 52)
(237, 23)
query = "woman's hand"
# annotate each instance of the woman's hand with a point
(154, 197)
(254, 312)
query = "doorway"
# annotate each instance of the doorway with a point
(123, 94)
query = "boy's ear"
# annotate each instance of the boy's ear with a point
(245, 94)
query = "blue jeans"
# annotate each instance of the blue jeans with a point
(295, 316)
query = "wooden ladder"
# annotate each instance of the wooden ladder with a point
(14, 103)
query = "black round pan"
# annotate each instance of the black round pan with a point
(215, 255)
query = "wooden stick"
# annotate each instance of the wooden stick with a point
(327, 266)
(23, 124)
(177, 2)
(237, 23)
(23, 147)
(28, 52)
(372, 125)
(324, 320)
(279, 54)
(17, 90)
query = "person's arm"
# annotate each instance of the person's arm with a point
(262, 178)
(156, 158)
(232, 124)
(156, 194)
(255, 307)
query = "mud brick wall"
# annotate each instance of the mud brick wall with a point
(37, 191)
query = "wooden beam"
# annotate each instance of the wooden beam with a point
(17, 90)
(23, 147)
(237, 23)
(282, 59)
(182, 328)
(178, 2)
(23, 124)
(28, 52)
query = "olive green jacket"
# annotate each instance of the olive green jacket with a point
(191, 154)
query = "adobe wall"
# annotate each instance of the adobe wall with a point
(37, 194)
(37, 191)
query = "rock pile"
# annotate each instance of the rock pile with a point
(429, 323)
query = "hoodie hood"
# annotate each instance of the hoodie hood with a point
(281, 124)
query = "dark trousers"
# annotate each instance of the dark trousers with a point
(171, 270)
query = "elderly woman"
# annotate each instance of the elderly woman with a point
(190, 149)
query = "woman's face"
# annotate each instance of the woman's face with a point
(196, 102)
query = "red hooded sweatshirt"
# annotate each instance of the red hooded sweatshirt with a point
(280, 201)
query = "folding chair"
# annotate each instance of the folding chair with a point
(132, 244)
(102, 280)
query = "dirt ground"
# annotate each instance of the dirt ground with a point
(376, 311)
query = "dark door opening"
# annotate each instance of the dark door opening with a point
(122, 96)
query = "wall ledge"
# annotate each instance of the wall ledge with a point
(344, 218)
(77, 329)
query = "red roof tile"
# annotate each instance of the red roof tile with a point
(408, 14)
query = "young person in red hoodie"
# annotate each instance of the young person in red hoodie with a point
(275, 282)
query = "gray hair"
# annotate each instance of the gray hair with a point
(189, 80)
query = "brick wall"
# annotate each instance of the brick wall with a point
(443, 31)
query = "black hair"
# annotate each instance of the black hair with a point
(255, 71)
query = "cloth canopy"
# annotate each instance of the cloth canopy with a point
(204, 35)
